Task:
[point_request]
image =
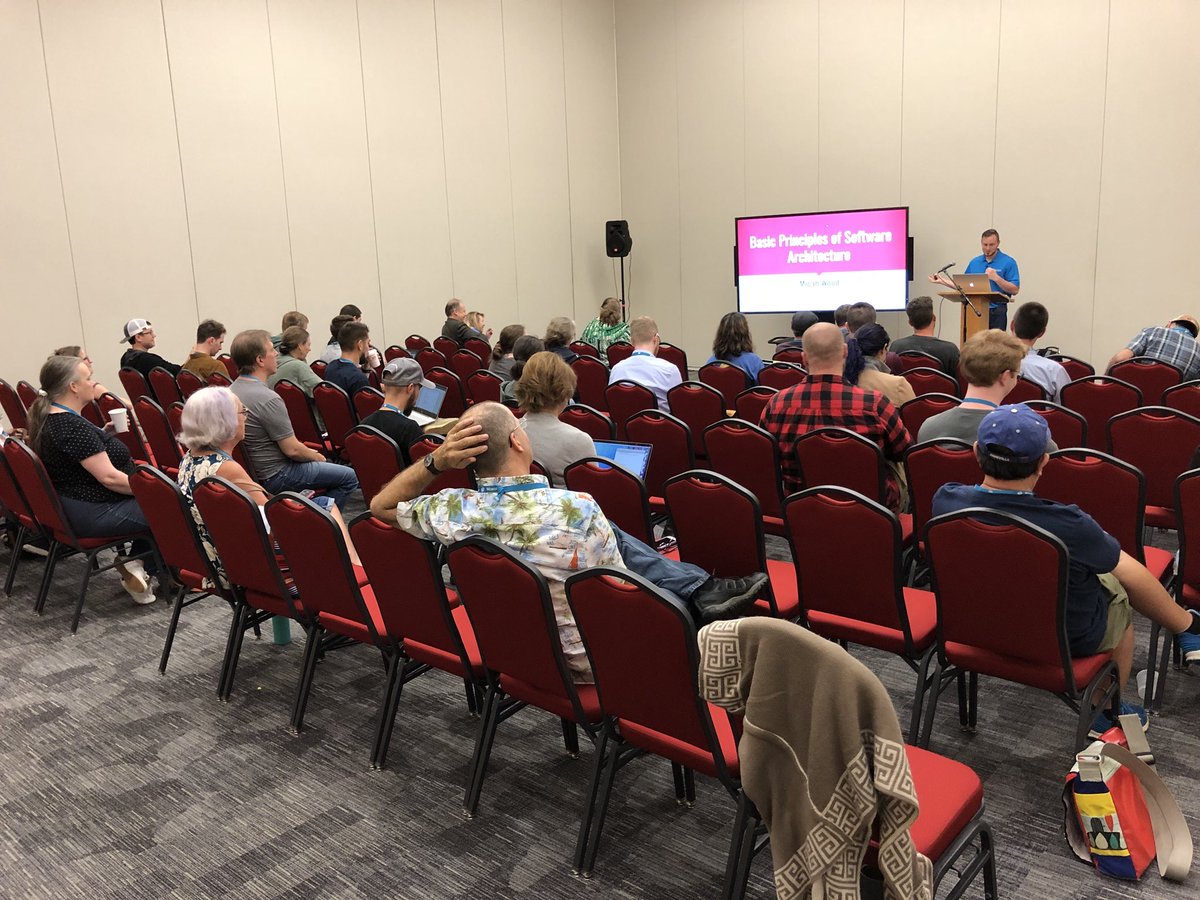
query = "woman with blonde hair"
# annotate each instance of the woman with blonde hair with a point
(544, 390)
(476, 321)
(607, 328)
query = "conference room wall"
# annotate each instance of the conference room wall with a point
(240, 158)
(967, 113)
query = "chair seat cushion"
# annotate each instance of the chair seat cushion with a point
(357, 630)
(783, 584)
(1160, 517)
(272, 603)
(444, 659)
(91, 543)
(1047, 676)
(950, 795)
(1191, 596)
(699, 759)
(555, 702)
(1159, 562)
(922, 620)
(906, 528)
(193, 580)
(774, 525)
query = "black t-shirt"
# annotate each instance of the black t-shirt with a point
(66, 440)
(144, 361)
(399, 427)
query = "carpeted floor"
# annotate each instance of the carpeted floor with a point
(118, 782)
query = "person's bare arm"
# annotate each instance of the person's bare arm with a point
(293, 449)
(1120, 356)
(1149, 597)
(232, 472)
(464, 442)
(100, 467)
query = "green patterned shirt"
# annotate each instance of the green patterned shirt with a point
(600, 335)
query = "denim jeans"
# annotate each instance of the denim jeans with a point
(337, 481)
(110, 519)
(679, 578)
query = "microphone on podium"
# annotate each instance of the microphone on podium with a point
(945, 267)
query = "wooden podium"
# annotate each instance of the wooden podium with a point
(971, 323)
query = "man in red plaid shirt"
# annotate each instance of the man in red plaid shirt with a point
(824, 400)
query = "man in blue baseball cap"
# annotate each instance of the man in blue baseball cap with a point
(1012, 447)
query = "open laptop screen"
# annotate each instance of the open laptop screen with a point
(429, 400)
(634, 457)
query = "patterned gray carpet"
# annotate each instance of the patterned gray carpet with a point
(117, 782)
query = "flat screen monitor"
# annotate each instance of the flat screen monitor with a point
(818, 261)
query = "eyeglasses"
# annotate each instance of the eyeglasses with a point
(243, 411)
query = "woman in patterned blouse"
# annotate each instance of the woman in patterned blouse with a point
(607, 328)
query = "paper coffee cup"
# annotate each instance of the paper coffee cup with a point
(120, 419)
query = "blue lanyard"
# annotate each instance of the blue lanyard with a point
(502, 489)
(988, 490)
(392, 408)
(252, 378)
(641, 353)
(981, 401)
(66, 408)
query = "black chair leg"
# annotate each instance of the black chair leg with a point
(914, 725)
(963, 710)
(387, 718)
(935, 687)
(472, 698)
(689, 788)
(570, 734)
(741, 850)
(233, 649)
(972, 702)
(606, 788)
(677, 775)
(178, 608)
(312, 646)
(87, 576)
(18, 548)
(589, 812)
(52, 555)
(483, 749)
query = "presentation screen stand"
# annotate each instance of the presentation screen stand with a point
(971, 323)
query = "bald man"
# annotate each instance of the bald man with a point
(826, 400)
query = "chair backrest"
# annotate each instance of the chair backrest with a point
(1187, 506)
(162, 383)
(916, 359)
(700, 499)
(108, 401)
(1184, 397)
(635, 635)
(617, 351)
(727, 378)
(13, 405)
(1067, 427)
(931, 464)
(1158, 440)
(624, 399)
(1150, 376)
(319, 562)
(415, 342)
(175, 419)
(583, 348)
(394, 351)
(508, 603)
(242, 458)
(319, 366)
(170, 519)
(749, 404)
(484, 386)
(376, 459)
(675, 356)
(749, 456)
(158, 433)
(789, 355)
(94, 414)
(1076, 368)
(672, 443)
(367, 400)
(455, 403)
(27, 392)
(463, 362)
(454, 478)
(31, 478)
(188, 383)
(591, 421)
(1024, 391)
(1098, 398)
(932, 381)
(12, 500)
(917, 410)
(300, 412)
(621, 494)
(1109, 490)
(216, 379)
(134, 383)
(480, 348)
(337, 412)
(132, 436)
(841, 457)
(821, 523)
(591, 380)
(981, 612)
(428, 357)
(446, 346)
(698, 405)
(781, 375)
(231, 368)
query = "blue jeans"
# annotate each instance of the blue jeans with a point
(998, 316)
(337, 481)
(95, 520)
(679, 578)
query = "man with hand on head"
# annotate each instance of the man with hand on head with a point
(402, 382)
(140, 336)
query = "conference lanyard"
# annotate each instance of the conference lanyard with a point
(982, 402)
(502, 489)
(988, 490)
(392, 408)
(66, 408)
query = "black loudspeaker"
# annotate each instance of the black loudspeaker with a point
(617, 241)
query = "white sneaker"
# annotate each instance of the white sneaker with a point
(143, 598)
(134, 579)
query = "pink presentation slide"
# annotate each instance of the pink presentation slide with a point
(820, 260)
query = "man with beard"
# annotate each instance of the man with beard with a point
(402, 381)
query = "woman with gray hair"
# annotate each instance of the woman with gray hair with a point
(559, 334)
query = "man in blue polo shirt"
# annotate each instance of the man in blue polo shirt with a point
(1002, 273)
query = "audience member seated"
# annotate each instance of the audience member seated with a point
(352, 311)
(402, 381)
(546, 387)
(279, 459)
(924, 339)
(863, 313)
(210, 337)
(292, 363)
(456, 327)
(841, 316)
(355, 339)
(1029, 325)
(559, 335)
(77, 351)
(643, 366)
(991, 361)
(1173, 343)
(1013, 447)
(865, 367)
(826, 399)
(801, 322)
(140, 336)
(88, 466)
(607, 328)
(334, 348)
(733, 344)
(502, 354)
(477, 322)
(290, 319)
(523, 350)
(558, 532)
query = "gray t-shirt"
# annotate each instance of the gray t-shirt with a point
(267, 423)
(556, 444)
(962, 423)
(946, 352)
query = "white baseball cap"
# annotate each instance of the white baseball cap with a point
(132, 327)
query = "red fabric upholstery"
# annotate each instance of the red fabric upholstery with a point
(12, 499)
(444, 345)
(1184, 397)
(463, 363)
(1109, 490)
(449, 662)
(483, 386)
(950, 795)
(1045, 675)
(1025, 390)
(931, 381)
(916, 359)
(554, 702)
(455, 403)
(158, 432)
(337, 412)
(781, 374)
(366, 401)
(1187, 498)
(675, 356)
(134, 383)
(750, 403)
(789, 355)
(352, 628)
(162, 382)
(590, 421)
(170, 519)
(672, 443)
(618, 351)
(1159, 561)
(415, 342)
(35, 486)
(841, 457)
(727, 378)
(624, 399)
(428, 358)
(300, 414)
(1067, 427)
(230, 365)
(1098, 399)
(189, 382)
(749, 456)
(583, 348)
(621, 494)
(1150, 376)
(1161, 442)
(480, 348)
(13, 405)
(931, 464)
(375, 457)
(454, 478)
(922, 620)
(916, 411)
(697, 405)
(699, 759)
(591, 380)
(1076, 368)
(394, 351)
(219, 380)
(783, 586)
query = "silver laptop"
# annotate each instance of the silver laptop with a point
(429, 404)
(627, 455)
(973, 284)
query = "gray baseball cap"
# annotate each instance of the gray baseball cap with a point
(402, 372)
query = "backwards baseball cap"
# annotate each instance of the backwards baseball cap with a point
(1013, 434)
(402, 372)
(1189, 323)
(803, 320)
(132, 327)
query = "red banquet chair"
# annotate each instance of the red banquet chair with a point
(624, 398)
(30, 475)
(455, 403)
(414, 343)
(319, 366)
(749, 455)
(592, 422)
(394, 351)
(428, 357)
(18, 512)
(1024, 391)
(13, 405)
(27, 392)
(1150, 376)
(509, 606)
(675, 356)
(697, 405)
(484, 386)
(367, 400)
(1067, 427)
(672, 443)
(591, 380)
(300, 414)
(789, 355)
(727, 378)
(1076, 368)
(445, 346)
(1184, 397)
(175, 418)
(480, 348)
(165, 389)
(699, 499)
(216, 379)
(337, 412)
(932, 381)
(230, 366)
(188, 383)
(134, 383)
(750, 403)
(1162, 442)
(583, 348)
(621, 494)
(781, 375)
(928, 466)
(984, 627)
(1099, 398)
(159, 435)
(376, 459)
(917, 410)
(917, 359)
(452, 478)
(619, 350)
(463, 363)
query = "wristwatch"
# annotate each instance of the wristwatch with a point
(431, 466)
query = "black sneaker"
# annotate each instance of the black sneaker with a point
(727, 598)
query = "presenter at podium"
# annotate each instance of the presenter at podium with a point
(1002, 273)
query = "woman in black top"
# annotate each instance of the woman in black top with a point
(87, 465)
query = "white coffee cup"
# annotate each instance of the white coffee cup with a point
(373, 358)
(120, 419)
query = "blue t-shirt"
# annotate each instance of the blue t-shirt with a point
(1005, 266)
(751, 363)
(346, 375)
(1090, 548)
